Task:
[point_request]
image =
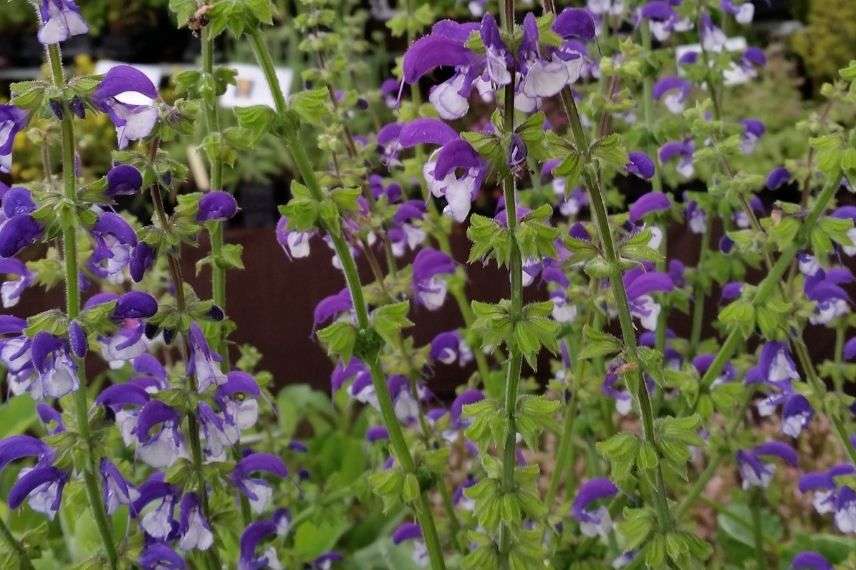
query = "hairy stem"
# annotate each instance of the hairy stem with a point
(13, 544)
(628, 332)
(72, 307)
(298, 153)
(515, 270)
(174, 263)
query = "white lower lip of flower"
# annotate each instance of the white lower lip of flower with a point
(197, 536)
(845, 519)
(263, 493)
(450, 104)
(158, 521)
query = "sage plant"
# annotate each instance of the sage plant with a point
(600, 419)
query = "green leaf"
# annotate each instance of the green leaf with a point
(17, 414)
(256, 120)
(230, 256)
(339, 339)
(302, 210)
(489, 240)
(783, 233)
(52, 321)
(610, 152)
(183, 10)
(534, 330)
(489, 146)
(313, 538)
(620, 450)
(535, 236)
(598, 343)
(635, 527)
(313, 106)
(346, 198)
(739, 315)
(389, 320)
(736, 521)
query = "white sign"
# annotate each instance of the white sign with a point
(251, 88)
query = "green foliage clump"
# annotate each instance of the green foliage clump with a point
(827, 43)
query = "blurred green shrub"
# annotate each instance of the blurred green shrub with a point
(828, 43)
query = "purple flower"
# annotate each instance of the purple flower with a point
(238, 398)
(743, 12)
(640, 165)
(652, 202)
(796, 415)
(696, 217)
(114, 241)
(41, 486)
(50, 418)
(712, 38)
(11, 290)
(823, 485)
(60, 20)
(455, 171)
(457, 421)
(18, 447)
(332, 307)
(808, 560)
(621, 397)
(258, 491)
(163, 448)
(683, 151)
(115, 489)
(377, 433)
(345, 372)
(754, 472)
(55, 368)
(134, 305)
(12, 120)
(640, 284)
(593, 522)
(155, 507)
(673, 92)
(824, 288)
(159, 556)
(753, 129)
(132, 121)
(142, 259)
(663, 20)
(407, 232)
(193, 529)
(125, 402)
(17, 233)
(449, 347)
(778, 177)
(410, 532)
(295, 244)
(731, 290)
(258, 531)
(123, 180)
(202, 362)
(429, 286)
(845, 509)
(18, 201)
(776, 365)
(217, 206)
(326, 560)
(219, 432)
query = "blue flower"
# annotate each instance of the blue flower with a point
(159, 556)
(809, 560)
(754, 472)
(55, 368)
(258, 491)
(256, 532)
(216, 206)
(132, 121)
(12, 121)
(60, 20)
(593, 522)
(429, 286)
(157, 521)
(193, 529)
(163, 448)
(202, 362)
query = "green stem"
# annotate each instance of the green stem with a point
(564, 460)
(515, 270)
(699, 295)
(771, 283)
(628, 333)
(298, 153)
(819, 388)
(72, 306)
(13, 544)
(757, 529)
(648, 105)
(837, 371)
(193, 433)
(212, 125)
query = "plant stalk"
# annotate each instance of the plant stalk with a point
(72, 306)
(628, 332)
(298, 153)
